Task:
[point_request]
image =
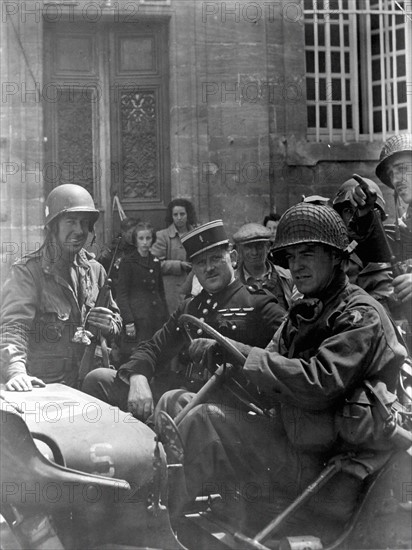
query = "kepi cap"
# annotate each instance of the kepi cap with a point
(252, 233)
(206, 236)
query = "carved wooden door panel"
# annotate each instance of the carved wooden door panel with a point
(106, 116)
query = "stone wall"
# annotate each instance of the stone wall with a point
(21, 201)
(237, 98)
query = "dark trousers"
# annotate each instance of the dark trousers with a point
(104, 384)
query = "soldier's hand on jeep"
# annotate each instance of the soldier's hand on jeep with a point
(101, 318)
(24, 382)
(199, 347)
(140, 398)
(403, 287)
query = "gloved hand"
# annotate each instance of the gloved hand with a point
(403, 287)
(103, 319)
(363, 197)
(199, 347)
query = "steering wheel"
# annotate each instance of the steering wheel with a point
(232, 382)
(186, 320)
(166, 427)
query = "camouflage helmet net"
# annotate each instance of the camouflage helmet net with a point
(401, 143)
(310, 223)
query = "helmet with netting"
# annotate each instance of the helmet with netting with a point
(395, 145)
(67, 198)
(310, 223)
(345, 192)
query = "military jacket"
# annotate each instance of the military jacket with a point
(246, 315)
(40, 313)
(319, 355)
(372, 248)
(279, 282)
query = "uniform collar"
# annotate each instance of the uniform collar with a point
(51, 263)
(339, 282)
(223, 295)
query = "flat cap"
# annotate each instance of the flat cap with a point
(204, 237)
(252, 233)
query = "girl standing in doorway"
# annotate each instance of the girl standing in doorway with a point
(140, 291)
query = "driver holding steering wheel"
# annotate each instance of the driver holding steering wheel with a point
(334, 338)
(246, 314)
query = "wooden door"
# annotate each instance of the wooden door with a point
(106, 116)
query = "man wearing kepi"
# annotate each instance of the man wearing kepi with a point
(48, 296)
(247, 315)
(334, 337)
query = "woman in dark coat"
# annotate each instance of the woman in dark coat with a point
(140, 291)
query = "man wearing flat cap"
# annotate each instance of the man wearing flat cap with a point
(254, 269)
(247, 315)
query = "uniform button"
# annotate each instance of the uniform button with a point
(233, 327)
(199, 331)
(205, 311)
(150, 270)
(208, 301)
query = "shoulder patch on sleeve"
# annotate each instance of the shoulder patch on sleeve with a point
(356, 316)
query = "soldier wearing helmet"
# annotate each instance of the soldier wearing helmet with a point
(50, 293)
(332, 339)
(373, 276)
(394, 170)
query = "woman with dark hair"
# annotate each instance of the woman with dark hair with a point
(181, 218)
(140, 292)
(271, 221)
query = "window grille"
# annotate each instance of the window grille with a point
(358, 68)
(156, 2)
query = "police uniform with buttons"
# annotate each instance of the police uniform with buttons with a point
(276, 279)
(245, 314)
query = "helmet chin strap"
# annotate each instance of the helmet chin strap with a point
(397, 216)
